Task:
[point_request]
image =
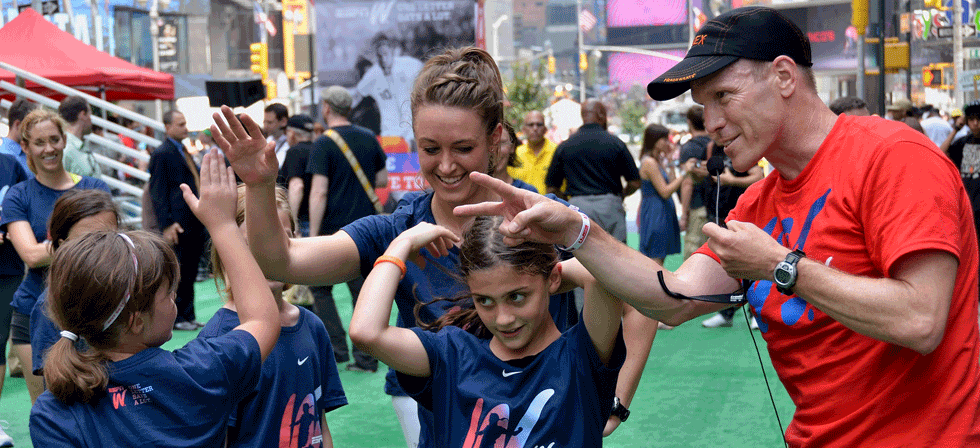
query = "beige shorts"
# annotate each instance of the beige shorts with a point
(693, 237)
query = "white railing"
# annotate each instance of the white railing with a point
(102, 104)
(98, 121)
(129, 198)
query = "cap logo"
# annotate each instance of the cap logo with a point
(691, 76)
(698, 40)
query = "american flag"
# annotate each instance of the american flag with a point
(586, 20)
(262, 18)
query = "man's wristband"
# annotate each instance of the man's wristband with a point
(583, 233)
(394, 260)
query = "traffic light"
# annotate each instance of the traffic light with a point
(859, 15)
(271, 91)
(260, 59)
(552, 64)
(932, 77)
(583, 61)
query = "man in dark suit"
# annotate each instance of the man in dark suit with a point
(170, 166)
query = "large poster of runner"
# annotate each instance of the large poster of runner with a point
(376, 49)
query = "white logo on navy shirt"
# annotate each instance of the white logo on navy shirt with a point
(301, 361)
(506, 373)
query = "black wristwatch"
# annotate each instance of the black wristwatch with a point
(619, 410)
(785, 272)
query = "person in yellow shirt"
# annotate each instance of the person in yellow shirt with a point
(534, 157)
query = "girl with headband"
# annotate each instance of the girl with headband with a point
(116, 291)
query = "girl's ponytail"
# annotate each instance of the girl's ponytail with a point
(72, 375)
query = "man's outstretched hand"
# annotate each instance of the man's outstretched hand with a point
(527, 216)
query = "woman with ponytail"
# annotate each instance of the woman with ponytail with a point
(26, 209)
(457, 113)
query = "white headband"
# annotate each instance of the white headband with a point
(125, 300)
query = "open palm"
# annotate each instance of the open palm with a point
(253, 159)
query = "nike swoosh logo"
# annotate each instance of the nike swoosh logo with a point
(300, 362)
(506, 373)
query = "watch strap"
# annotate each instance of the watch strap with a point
(619, 410)
(792, 258)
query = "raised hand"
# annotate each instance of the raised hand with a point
(527, 216)
(250, 155)
(745, 251)
(219, 193)
(437, 239)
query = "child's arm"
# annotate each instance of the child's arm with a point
(638, 334)
(216, 210)
(602, 313)
(327, 441)
(400, 348)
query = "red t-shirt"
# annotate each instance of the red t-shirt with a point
(874, 192)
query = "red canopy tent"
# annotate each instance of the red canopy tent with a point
(33, 44)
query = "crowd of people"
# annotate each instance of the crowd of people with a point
(856, 255)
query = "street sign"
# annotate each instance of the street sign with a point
(969, 79)
(972, 53)
(48, 7)
(946, 32)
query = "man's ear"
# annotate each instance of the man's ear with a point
(788, 77)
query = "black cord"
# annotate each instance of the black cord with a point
(718, 220)
(782, 433)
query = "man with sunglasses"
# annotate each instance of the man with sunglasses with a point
(533, 157)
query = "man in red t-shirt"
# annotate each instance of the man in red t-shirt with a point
(859, 247)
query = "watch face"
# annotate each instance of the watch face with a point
(782, 275)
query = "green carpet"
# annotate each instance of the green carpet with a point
(701, 388)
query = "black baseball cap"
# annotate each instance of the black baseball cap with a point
(972, 109)
(752, 32)
(302, 122)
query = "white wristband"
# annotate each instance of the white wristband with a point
(582, 234)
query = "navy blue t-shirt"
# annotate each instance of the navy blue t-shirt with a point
(32, 202)
(559, 397)
(158, 398)
(517, 183)
(44, 333)
(299, 383)
(11, 173)
(439, 278)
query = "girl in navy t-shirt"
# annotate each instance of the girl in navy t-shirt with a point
(116, 291)
(497, 371)
(457, 110)
(76, 213)
(299, 383)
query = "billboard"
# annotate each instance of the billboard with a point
(623, 13)
(376, 48)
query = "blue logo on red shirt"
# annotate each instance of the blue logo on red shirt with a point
(795, 307)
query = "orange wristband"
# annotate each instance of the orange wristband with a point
(394, 260)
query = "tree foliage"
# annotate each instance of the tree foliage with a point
(526, 92)
(632, 112)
